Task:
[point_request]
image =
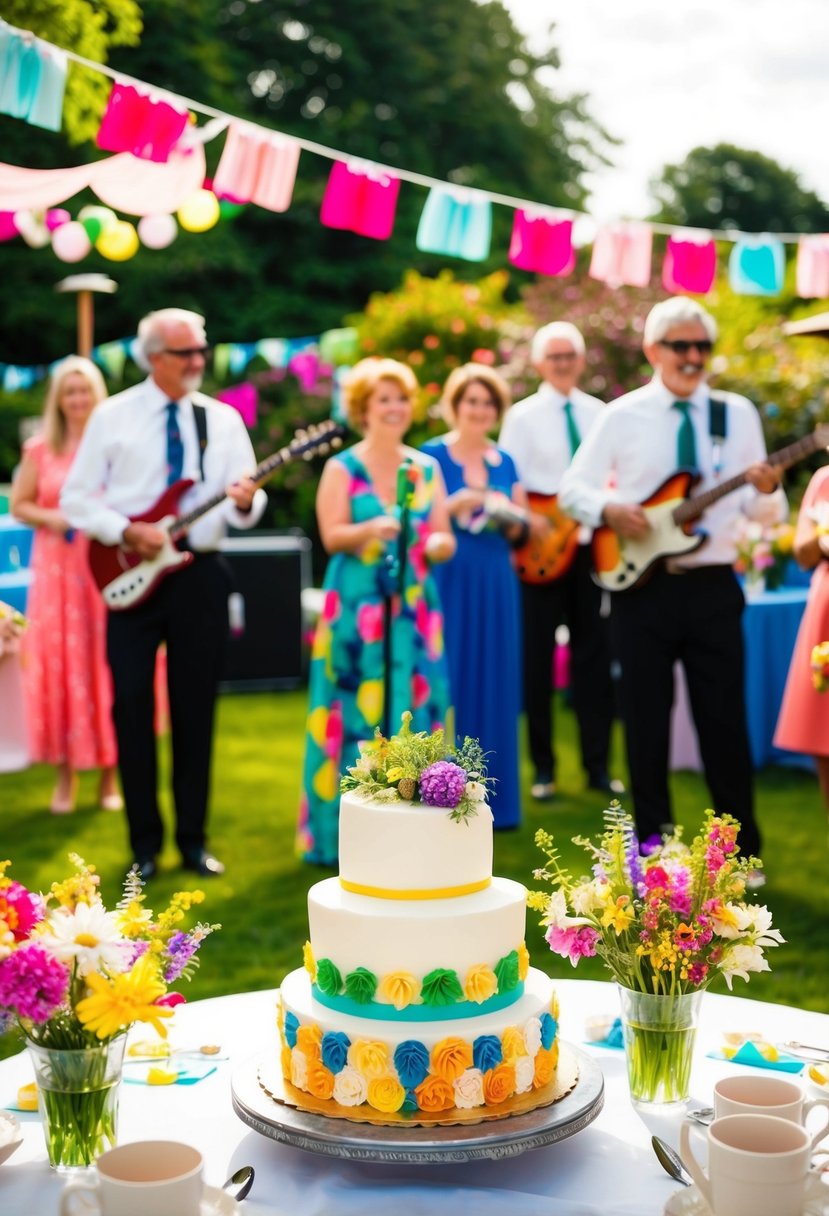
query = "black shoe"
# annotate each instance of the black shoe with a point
(606, 784)
(203, 863)
(146, 866)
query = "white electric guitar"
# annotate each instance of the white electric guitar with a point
(621, 563)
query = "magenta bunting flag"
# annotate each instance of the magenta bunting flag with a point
(258, 167)
(135, 122)
(542, 242)
(360, 198)
(813, 267)
(622, 255)
(689, 265)
(244, 398)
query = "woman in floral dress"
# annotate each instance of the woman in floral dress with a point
(378, 648)
(66, 677)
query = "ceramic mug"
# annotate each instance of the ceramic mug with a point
(753, 1095)
(758, 1165)
(158, 1176)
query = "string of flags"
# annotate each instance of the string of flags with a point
(157, 170)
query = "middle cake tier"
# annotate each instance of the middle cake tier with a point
(471, 946)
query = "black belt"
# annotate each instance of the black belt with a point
(671, 566)
(184, 547)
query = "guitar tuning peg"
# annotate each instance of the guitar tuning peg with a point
(337, 442)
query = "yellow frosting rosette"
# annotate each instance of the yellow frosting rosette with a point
(523, 961)
(481, 983)
(319, 1080)
(512, 1044)
(499, 1084)
(545, 1065)
(309, 962)
(370, 1058)
(286, 1062)
(399, 988)
(434, 1094)
(309, 1041)
(451, 1057)
(386, 1094)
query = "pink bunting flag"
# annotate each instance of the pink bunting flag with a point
(542, 243)
(813, 267)
(135, 122)
(622, 255)
(244, 398)
(257, 167)
(690, 265)
(360, 199)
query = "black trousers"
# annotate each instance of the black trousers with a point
(573, 600)
(188, 611)
(695, 618)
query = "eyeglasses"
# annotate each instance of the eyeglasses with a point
(564, 356)
(680, 346)
(187, 352)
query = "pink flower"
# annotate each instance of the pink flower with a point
(420, 690)
(171, 999)
(370, 622)
(20, 909)
(575, 942)
(33, 983)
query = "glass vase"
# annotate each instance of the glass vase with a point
(77, 1095)
(659, 1034)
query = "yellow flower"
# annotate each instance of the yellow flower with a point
(386, 1094)
(523, 961)
(133, 921)
(308, 961)
(400, 988)
(481, 983)
(118, 1002)
(369, 1058)
(394, 774)
(619, 915)
(512, 1044)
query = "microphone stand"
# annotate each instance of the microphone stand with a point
(396, 558)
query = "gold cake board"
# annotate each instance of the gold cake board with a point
(263, 1100)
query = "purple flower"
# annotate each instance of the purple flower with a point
(181, 948)
(33, 983)
(442, 784)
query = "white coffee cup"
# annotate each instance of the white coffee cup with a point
(758, 1165)
(758, 1095)
(158, 1176)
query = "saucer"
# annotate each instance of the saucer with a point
(216, 1202)
(11, 1137)
(689, 1202)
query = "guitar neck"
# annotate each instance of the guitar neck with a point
(693, 507)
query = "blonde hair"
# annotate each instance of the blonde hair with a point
(363, 379)
(54, 422)
(459, 382)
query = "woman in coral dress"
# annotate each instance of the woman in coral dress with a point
(66, 677)
(381, 627)
(803, 725)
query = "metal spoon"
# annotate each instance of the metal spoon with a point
(670, 1161)
(238, 1184)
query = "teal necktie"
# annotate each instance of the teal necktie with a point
(572, 430)
(175, 446)
(686, 444)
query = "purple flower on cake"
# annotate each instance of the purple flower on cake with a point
(442, 784)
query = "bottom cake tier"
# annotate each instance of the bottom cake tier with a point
(430, 1065)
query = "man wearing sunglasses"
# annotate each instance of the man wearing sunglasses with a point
(145, 440)
(689, 609)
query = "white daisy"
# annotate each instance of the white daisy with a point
(87, 935)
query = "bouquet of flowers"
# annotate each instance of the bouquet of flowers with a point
(12, 624)
(764, 553)
(820, 666)
(416, 767)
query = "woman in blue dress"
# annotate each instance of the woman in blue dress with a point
(479, 588)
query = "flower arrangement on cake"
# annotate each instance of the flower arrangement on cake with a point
(666, 923)
(75, 977)
(413, 766)
(820, 666)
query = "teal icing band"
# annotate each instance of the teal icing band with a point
(418, 1013)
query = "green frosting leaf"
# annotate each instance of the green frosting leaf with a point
(361, 985)
(329, 979)
(442, 987)
(506, 971)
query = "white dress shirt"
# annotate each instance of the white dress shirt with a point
(534, 432)
(120, 468)
(632, 450)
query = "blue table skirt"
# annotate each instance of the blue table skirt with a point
(770, 624)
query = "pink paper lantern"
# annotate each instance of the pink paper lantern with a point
(542, 244)
(8, 228)
(70, 242)
(56, 217)
(360, 202)
(157, 231)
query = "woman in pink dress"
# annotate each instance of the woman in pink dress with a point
(803, 725)
(66, 677)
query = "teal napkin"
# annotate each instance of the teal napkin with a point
(748, 1054)
(188, 1074)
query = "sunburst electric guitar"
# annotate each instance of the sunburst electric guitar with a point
(621, 563)
(125, 579)
(541, 559)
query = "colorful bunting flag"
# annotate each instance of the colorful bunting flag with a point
(135, 122)
(756, 266)
(257, 167)
(32, 79)
(813, 267)
(542, 242)
(622, 255)
(360, 198)
(457, 223)
(690, 263)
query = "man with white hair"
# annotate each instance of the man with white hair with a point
(143, 441)
(542, 433)
(689, 609)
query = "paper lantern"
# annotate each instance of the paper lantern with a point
(96, 220)
(756, 266)
(157, 231)
(118, 242)
(32, 228)
(70, 242)
(199, 212)
(8, 228)
(56, 217)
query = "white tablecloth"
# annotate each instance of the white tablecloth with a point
(606, 1170)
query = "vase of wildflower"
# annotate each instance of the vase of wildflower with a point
(659, 1031)
(77, 1095)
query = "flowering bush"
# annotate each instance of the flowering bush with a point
(73, 974)
(764, 552)
(666, 922)
(417, 767)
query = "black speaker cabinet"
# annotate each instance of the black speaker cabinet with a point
(265, 649)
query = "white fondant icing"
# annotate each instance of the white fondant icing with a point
(403, 846)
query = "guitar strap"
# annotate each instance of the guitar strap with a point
(200, 415)
(717, 428)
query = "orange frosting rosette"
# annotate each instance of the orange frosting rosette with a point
(512, 1044)
(434, 1094)
(545, 1065)
(370, 1058)
(386, 1094)
(319, 1080)
(286, 1062)
(450, 1058)
(309, 1041)
(499, 1084)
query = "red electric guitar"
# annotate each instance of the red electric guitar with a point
(125, 579)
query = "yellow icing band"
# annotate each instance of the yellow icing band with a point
(468, 888)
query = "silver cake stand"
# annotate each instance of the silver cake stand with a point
(494, 1138)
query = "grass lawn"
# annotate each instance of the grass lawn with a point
(261, 899)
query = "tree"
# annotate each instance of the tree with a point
(729, 187)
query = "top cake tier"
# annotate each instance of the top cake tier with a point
(406, 850)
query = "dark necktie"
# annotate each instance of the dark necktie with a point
(572, 430)
(686, 444)
(175, 447)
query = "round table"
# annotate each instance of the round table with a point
(608, 1169)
